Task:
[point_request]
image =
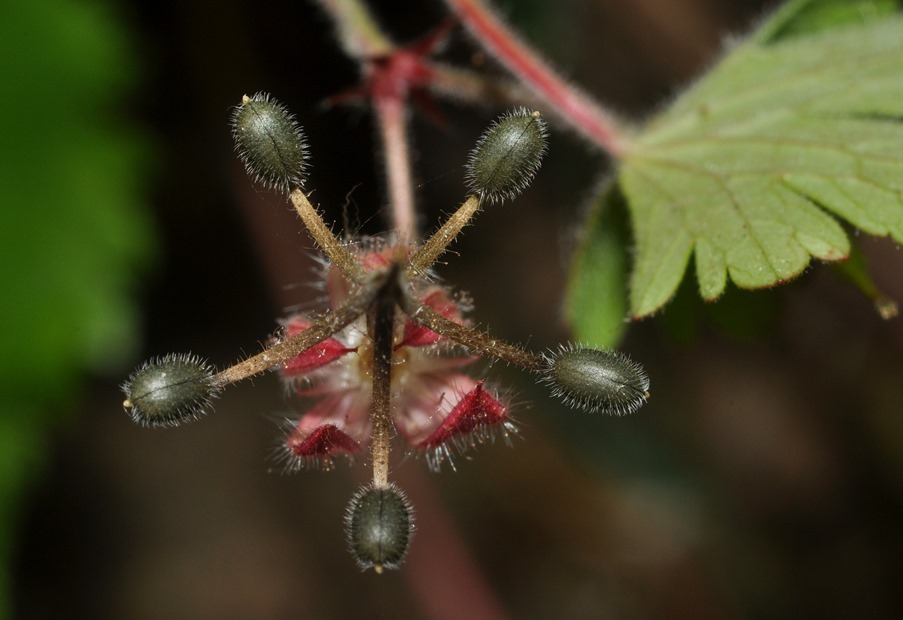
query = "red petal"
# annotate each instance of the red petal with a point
(475, 410)
(315, 357)
(325, 440)
(416, 335)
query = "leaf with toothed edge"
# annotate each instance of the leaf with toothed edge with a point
(751, 171)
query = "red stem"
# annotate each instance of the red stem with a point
(572, 105)
(390, 114)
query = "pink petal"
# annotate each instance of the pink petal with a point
(376, 260)
(348, 411)
(336, 425)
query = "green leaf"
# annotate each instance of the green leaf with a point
(749, 170)
(809, 16)
(596, 304)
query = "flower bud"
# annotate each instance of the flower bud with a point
(379, 524)
(168, 391)
(507, 155)
(270, 142)
(594, 380)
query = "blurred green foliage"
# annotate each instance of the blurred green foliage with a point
(74, 228)
(802, 17)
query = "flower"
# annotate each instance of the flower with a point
(436, 408)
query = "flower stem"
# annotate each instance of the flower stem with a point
(328, 242)
(320, 329)
(382, 322)
(475, 340)
(434, 246)
(390, 115)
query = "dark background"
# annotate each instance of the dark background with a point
(763, 479)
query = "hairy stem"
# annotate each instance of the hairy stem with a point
(382, 321)
(570, 104)
(479, 342)
(479, 89)
(433, 247)
(320, 329)
(390, 115)
(328, 242)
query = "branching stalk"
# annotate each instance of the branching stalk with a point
(320, 329)
(479, 342)
(433, 247)
(382, 319)
(330, 244)
(390, 114)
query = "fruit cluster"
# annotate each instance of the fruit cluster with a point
(386, 358)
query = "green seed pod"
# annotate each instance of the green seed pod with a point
(594, 380)
(379, 524)
(270, 142)
(507, 155)
(168, 391)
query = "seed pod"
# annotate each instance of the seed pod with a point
(594, 380)
(379, 524)
(170, 390)
(270, 142)
(507, 155)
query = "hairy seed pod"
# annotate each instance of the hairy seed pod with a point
(379, 524)
(270, 142)
(594, 380)
(169, 390)
(507, 155)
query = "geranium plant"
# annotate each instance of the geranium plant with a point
(746, 173)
